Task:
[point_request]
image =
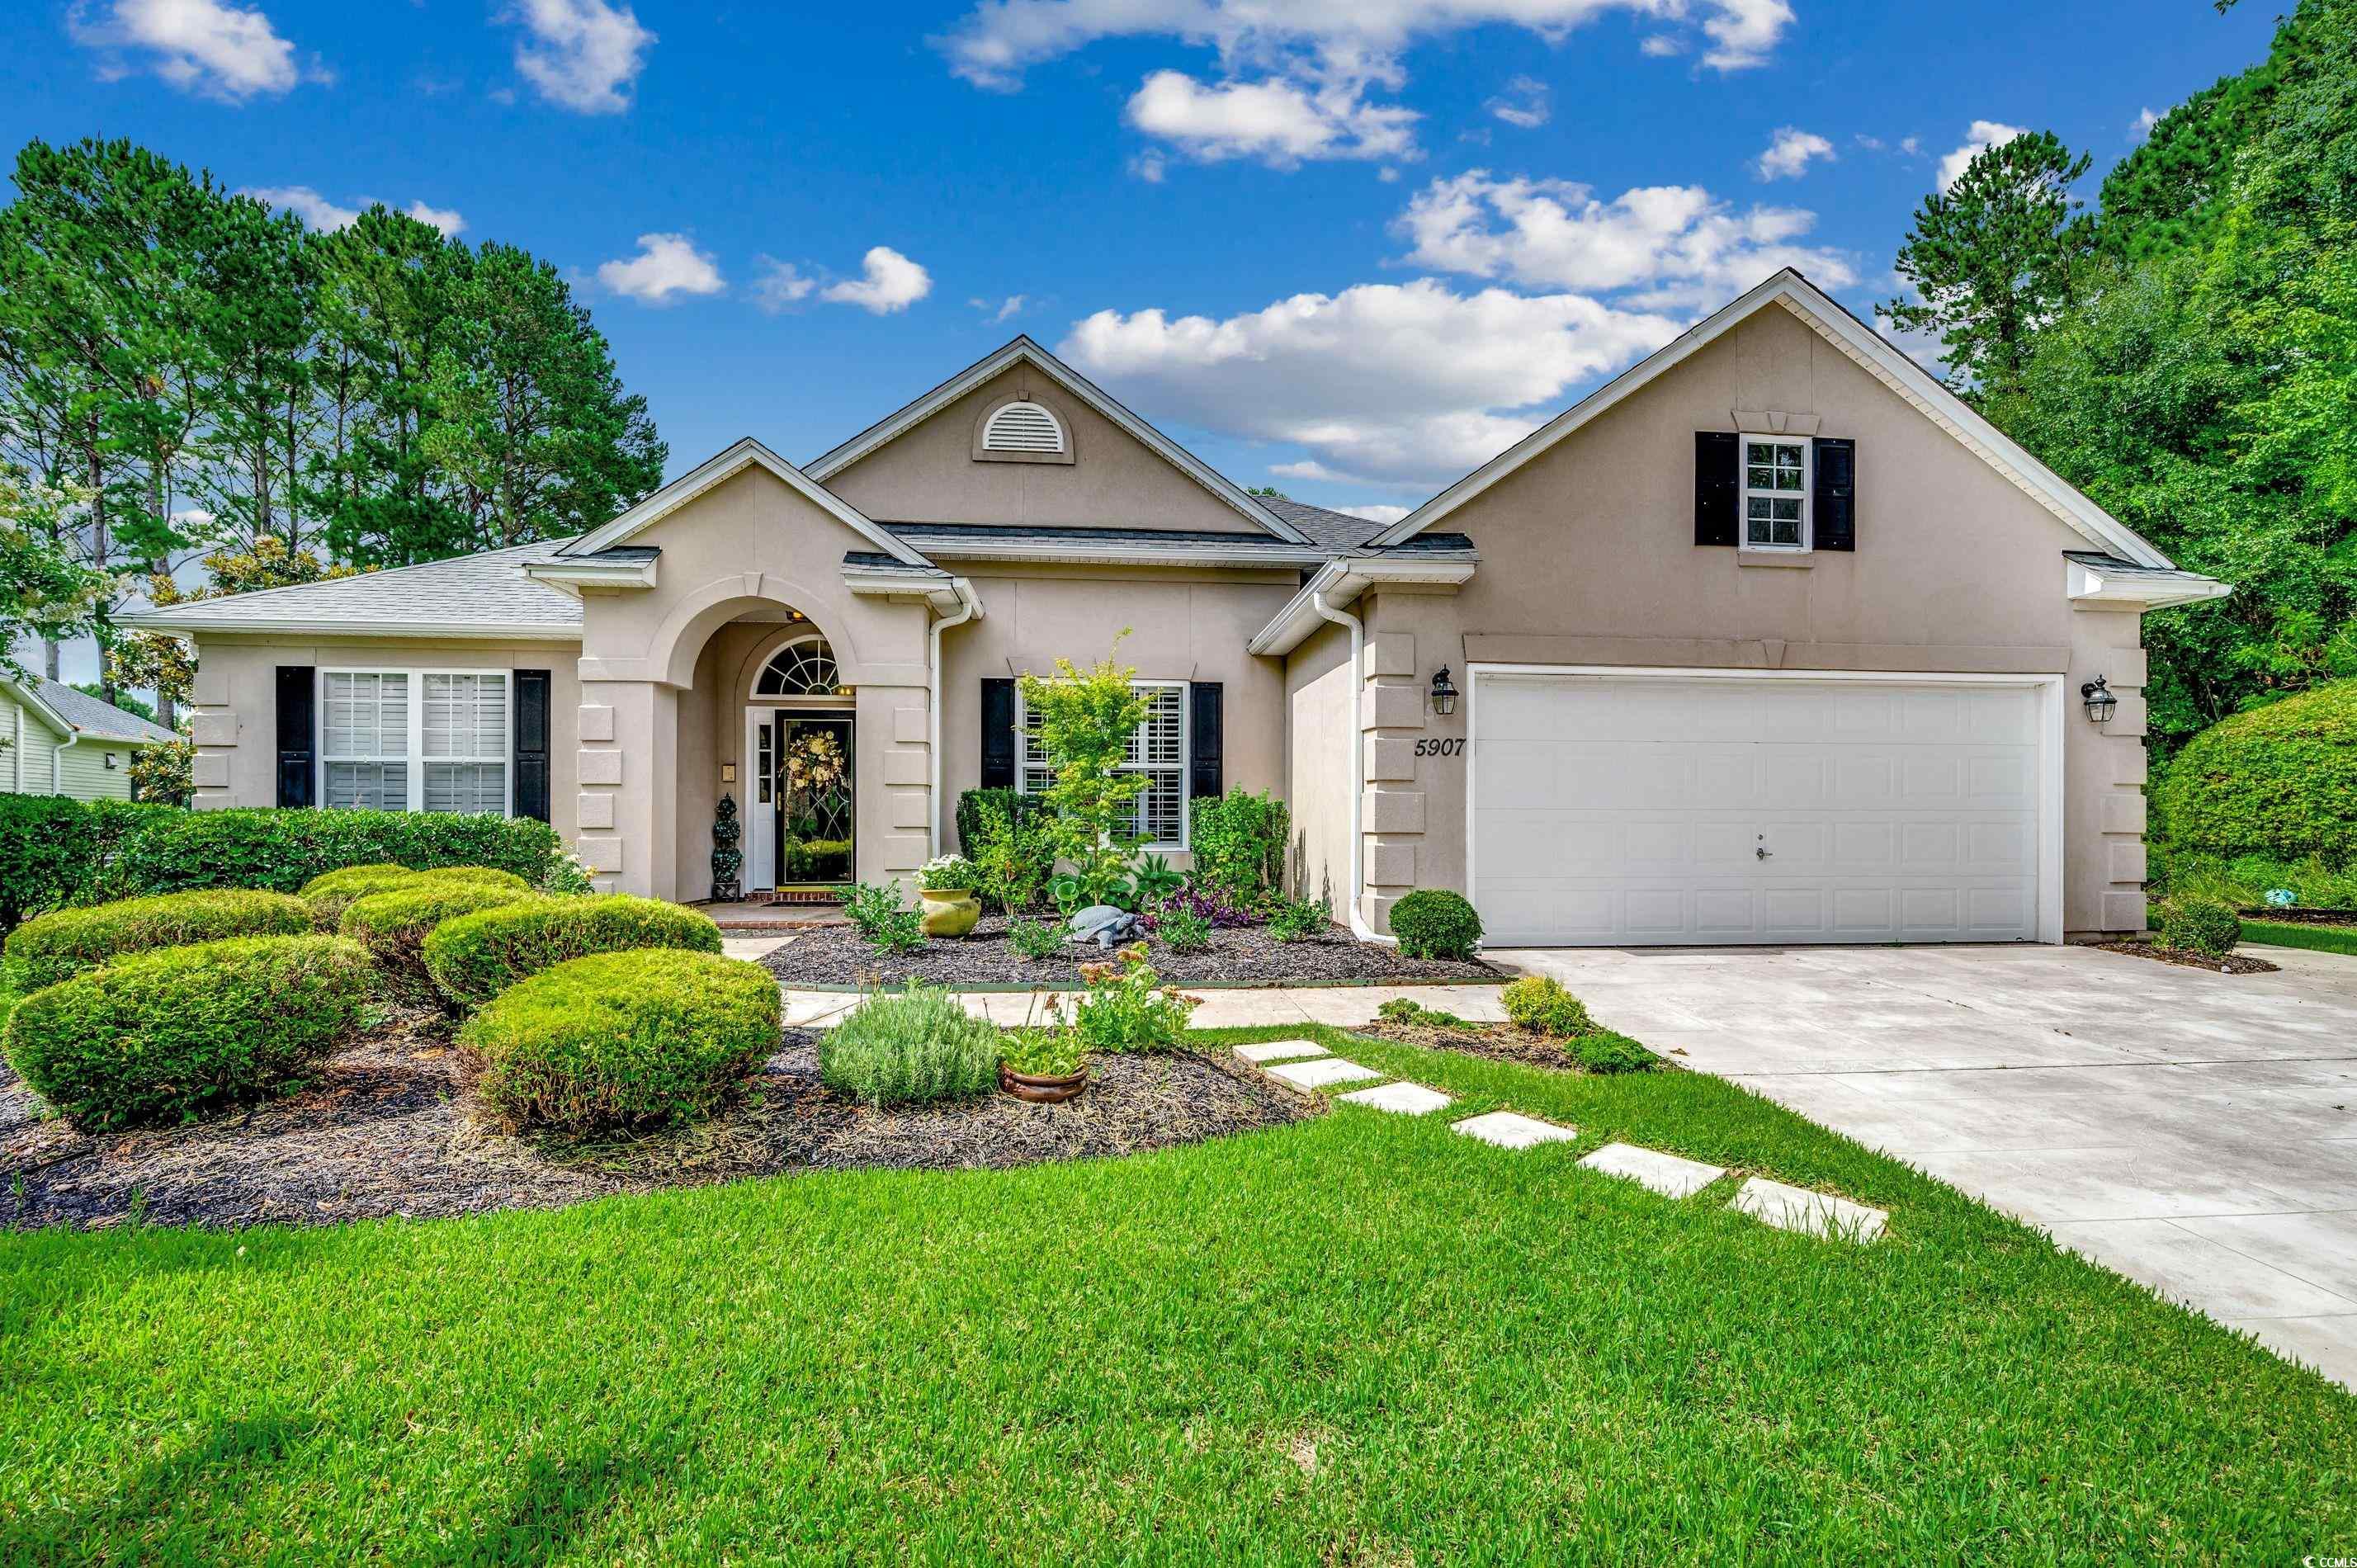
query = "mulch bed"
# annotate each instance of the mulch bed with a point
(2232, 963)
(1248, 955)
(1499, 1042)
(390, 1131)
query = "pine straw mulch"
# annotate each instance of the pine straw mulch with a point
(2232, 963)
(390, 1130)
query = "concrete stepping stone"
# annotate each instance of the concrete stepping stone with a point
(1405, 1099)
(1320, 1073)
(1510, 1131)
(1672, 1175)
(1811, 1213)
(1280, 1050)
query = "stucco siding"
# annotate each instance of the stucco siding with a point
(1319, 731)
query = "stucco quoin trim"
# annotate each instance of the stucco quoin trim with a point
(2051, 799)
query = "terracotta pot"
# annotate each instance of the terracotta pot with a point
(948, 912)
(1041, 1090)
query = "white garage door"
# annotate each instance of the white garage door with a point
(1618, 810)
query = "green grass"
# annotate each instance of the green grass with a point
(2287, 934)
(1496, 1357)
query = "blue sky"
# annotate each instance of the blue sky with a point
(1350, 247)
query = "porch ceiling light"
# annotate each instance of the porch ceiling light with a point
(1444, 695)
(2101, 704)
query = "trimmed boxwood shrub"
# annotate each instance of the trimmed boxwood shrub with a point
(2198, 925)
(2279, 781)
(330, 894)
(56, 851)
(66, 942)
(622, 1041)
(472, 958)
(167, 1036)
(1433, 922)
(393, 926)
(283, 849)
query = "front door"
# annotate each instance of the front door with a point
(805, 760)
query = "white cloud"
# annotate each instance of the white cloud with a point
(1383, 514)
(666, 264)
(1012, 307)
(2142, 128)
(1661, 45)
(206, 46)
(1743, 33)
(1148, 166)
(1408, 382)
(1677, 246)
(1789, 154)
(1524, 104)
(1984, 135)
(780, 283)
(892, 282)
(584, 54)
(316, 210)
(1279, 122)
(1911, 145)
(445, 218)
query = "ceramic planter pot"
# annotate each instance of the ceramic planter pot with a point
(948, 912)
(1041, 1090)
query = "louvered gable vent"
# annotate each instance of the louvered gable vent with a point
(1023, 427)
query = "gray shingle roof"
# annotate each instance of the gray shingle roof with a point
(487, 594)
(1329, 530)
(99, 721)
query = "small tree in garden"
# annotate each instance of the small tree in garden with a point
(1086, 719)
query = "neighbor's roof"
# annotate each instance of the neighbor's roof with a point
(78, 713)
(484, 596)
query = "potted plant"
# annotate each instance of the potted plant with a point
(949, 885)
(1043, 1065)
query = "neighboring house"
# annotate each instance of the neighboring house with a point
(54, 740)
(1770, 639)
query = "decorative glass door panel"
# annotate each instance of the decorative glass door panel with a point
(809, 778)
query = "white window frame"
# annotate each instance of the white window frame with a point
(1024, 768)
(1745, 492)
(417, 759)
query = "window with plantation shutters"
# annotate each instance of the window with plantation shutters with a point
(408, 740)
(365, 739)
(1157, 750)
(1023, 427)
(464, 742)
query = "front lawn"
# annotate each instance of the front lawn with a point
(1362, 1338)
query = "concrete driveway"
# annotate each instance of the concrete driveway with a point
(2197, 1131)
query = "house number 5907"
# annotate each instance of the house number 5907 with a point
(1439, 748)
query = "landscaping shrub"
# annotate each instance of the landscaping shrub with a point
(166, 1035)
(1240, 843)
(881, 915)
(1541, 1006)
(2279, 781)
(1605, 1051)
(331, 892)
(473, 957)
(283, 849)
(393, 926)
(2197, 925)
(1184, 930)
(1035, 939)
(56, 851)
(912, 1047)
(1011, 837)
(1128, 1007)
(1403, 1010)
(1217, 907)
(1300, 919)
(1433, 922)
(66, 942)
(619, 1042)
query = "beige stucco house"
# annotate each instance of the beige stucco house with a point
(1770, 639)
(54, 740)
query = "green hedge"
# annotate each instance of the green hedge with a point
(57, 946)
(1240, 843)
(393, 927)
(622, 1041)
(165, 1036)
(330, 894)
(2279, 781)
(55, 850)
(1433, 922)
(473, 958)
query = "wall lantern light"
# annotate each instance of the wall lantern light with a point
(1444, 695)
(2101, 704)
(110, 762)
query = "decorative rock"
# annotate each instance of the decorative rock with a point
(1318, 1074)
(1811, 1213)
(1510, 1131)
(1402, 1098)
(1669, 1174)
(1280, 1050)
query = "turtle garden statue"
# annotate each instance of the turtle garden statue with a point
(1103, 924)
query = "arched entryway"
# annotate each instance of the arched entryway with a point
(801, 746)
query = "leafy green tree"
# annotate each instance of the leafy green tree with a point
(1087, 719)
(46, 591)
(166, 664)
(1993, 257)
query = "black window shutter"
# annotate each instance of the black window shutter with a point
(298, 732)
(532, 744)
(998, 734)
(1717, 492)
(1204, 743)
(1836, 523)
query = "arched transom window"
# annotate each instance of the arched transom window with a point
(805, 668)
(1023, 427)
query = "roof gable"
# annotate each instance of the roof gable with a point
(1861, 344)
(67, 711)
(720, 467)
(1023, 350)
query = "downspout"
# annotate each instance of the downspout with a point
(56, 762)
(1357, 739)
(969, 607)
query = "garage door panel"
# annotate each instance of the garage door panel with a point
(1618, 810)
